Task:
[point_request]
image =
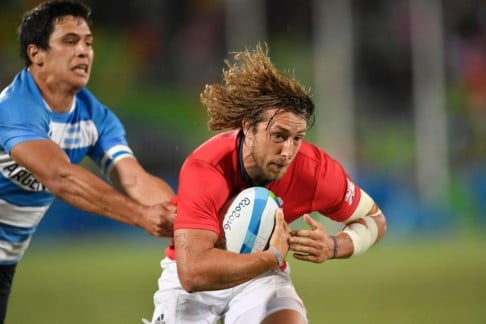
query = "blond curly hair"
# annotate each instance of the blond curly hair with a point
(251, 86)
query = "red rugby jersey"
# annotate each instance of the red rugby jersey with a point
(314, 182)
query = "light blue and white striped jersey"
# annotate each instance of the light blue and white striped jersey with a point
(88, 129)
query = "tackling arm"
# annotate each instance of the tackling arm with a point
(79, 187)
(129, 177)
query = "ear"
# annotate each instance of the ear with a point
(245, 126)
(35, 54)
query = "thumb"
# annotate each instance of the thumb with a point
(280, 219)
(313, 224)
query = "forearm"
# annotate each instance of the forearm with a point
(130, 178)
(204, 264)
(360, 234)
(74, 184)
(221, 269)
(86, 191)
(149, 190)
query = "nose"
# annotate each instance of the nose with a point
(83, 49)
(287, 150)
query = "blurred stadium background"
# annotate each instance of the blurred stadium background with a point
(400, 89)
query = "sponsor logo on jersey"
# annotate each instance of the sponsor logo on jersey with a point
(350, 192)
(21, 176)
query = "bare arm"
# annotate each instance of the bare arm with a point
(203, 266)
(130, 177)
(79, 187)
(373, 218)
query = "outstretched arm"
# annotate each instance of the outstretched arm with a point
(129, 177)
(81, 188)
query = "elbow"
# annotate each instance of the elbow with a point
(54, 179)
(187, 282)
(56, 186)
(188, 285)
(382, 228)
(190, 280)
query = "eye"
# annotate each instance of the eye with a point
(298, 139)
(277, 137)
(70, 41)
(89, 41)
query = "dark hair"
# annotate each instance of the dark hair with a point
(38, 23)
(250, 87)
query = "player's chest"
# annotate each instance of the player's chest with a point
(73, 135)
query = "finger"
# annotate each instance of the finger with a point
(306, 257)
(172, 208)
(303, 241)
(303, 249)
(301, 233)
(169, 208)
(155, 233)
(304, 244)
(280, 219)
(312, 222)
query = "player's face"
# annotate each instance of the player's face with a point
(274, 146)
(69, 59)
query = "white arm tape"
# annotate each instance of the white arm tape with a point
(364, 206)
(372, 227)
(362, 236)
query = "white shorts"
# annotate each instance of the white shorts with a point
(249, 302)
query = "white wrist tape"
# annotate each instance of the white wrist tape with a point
(278, 256)
(362, 236)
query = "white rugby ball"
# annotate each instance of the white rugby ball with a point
(249, 220)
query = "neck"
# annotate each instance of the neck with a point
(58, 97)
(58, 103)
(249, 170)
(241, 160)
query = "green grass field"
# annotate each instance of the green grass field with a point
(75, 281)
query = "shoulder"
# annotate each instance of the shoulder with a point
(313, 156)
(217, 149)
(227, 139)
(213, 164)
(87, 100)
(315, 167)
(17, 90)
(89, 107)
(20, 100)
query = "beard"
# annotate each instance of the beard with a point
(264, 172)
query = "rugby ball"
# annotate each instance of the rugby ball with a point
(249, 220)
